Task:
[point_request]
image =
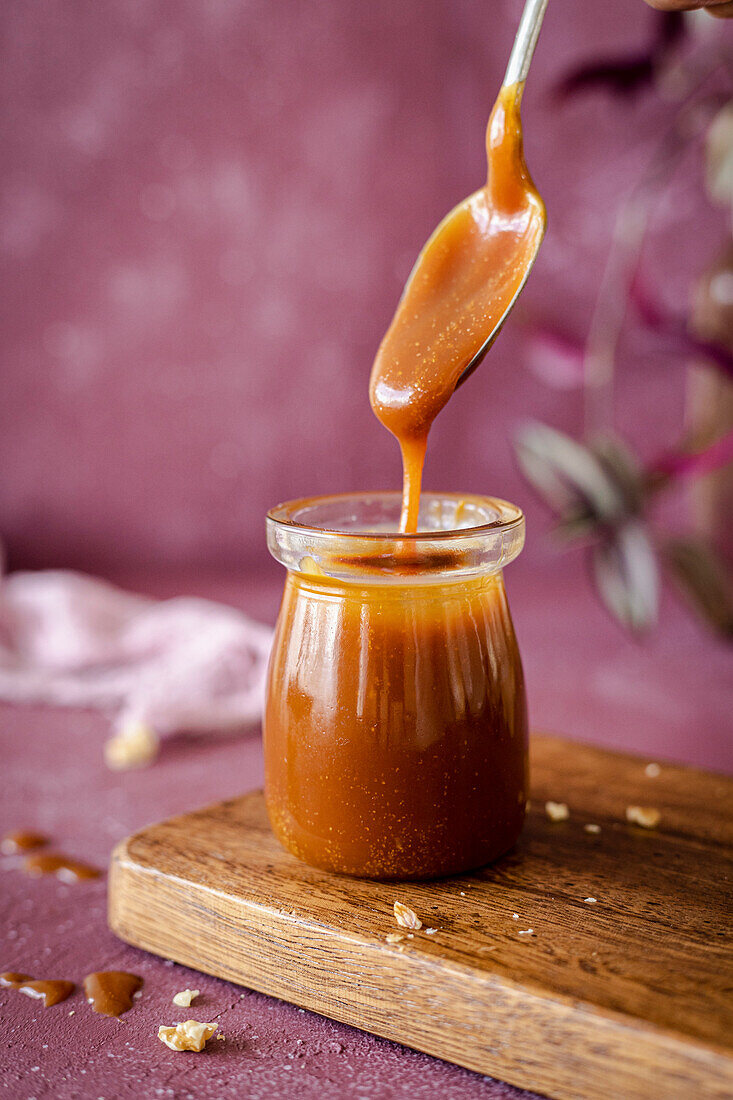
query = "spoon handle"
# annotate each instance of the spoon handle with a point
(525, 42)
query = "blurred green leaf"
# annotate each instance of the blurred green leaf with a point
(624, 469)
(580, 528)
(627, 577)
(719, 157)
(702, 578)
(573, 480)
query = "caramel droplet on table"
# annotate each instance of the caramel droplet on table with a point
(68, 870)
(51, 991)
(110, 992)
(13, 843)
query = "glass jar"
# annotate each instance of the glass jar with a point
(395, 725)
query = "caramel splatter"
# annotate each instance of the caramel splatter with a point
(52, 863)
(12, 843)
(51, 992)
(111, 992)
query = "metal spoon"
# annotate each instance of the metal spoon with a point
(516, 73)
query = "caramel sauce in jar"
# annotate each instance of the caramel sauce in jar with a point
(395, 723)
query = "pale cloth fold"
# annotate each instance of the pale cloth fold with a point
(157, 666)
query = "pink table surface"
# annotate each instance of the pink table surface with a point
(668, 697)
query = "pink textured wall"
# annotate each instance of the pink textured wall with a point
(207, 212)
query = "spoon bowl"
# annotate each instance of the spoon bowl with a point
(478, 357)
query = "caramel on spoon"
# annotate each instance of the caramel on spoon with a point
(464, 283)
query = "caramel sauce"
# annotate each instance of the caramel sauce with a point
(395, 723)
(464, 281)
(13, 843)
(111, 992)
(51, 992)
(53, 863)
(395, 726)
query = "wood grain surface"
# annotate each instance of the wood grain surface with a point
(630, 996)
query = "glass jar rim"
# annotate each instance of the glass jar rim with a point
(355, 536)
(507, 515)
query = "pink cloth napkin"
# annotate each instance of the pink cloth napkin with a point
(157, 667)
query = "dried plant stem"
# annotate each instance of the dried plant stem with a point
(630, 228)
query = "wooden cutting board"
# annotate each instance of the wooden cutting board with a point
(630, 996)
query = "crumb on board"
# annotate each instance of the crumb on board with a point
(185, 998)
(395, 937)
(592, 828)
(526, 932)
(190, 1035)
(652, 771)
(406, 917)
(515, 916)
(646, 816)
(557, 811)
(430, 931)
(590, 901)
